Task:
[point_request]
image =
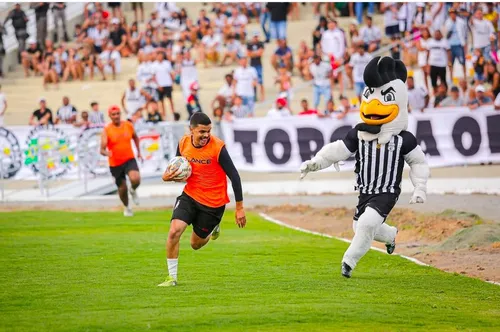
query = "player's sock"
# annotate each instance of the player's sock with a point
(172, 267)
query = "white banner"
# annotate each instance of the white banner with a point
(26, 152)
(451, 136)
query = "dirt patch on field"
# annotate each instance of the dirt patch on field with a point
(453, 241)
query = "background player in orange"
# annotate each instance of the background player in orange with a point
(203, 201)
(116, 144)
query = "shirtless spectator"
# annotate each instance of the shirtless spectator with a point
(31, 59)
(304, 56)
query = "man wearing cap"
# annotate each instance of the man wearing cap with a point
(481, 98)
(116, 145)
(456, 31)
(255, 50)
(118, 37)
(281, 110)
(41, 116)
(454, 100)
(192, 102)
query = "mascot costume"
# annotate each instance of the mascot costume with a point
(381, 145)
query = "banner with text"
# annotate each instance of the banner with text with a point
(64, 151)
(448, 136)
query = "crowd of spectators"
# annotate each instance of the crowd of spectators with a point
(170, 47)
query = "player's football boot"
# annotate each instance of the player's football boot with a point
(346, 270)
(169, 282)
(133, 194)
(215, 233)
(128, 212)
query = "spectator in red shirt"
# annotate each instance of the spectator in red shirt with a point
(192, 102)
(305, 108)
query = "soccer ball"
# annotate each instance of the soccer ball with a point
(182, 163)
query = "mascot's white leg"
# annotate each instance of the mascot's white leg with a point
(385, 233)
(365, 230)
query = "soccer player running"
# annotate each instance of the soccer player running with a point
(116, 145)
(204, 198)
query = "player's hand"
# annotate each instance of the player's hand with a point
(241, 219)
(139, 156)
(419, 196)
(170, 175)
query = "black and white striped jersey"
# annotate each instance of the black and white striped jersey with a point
(379, 167)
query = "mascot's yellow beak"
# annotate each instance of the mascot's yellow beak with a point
(375, 113)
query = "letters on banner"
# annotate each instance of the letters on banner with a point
(451, 136)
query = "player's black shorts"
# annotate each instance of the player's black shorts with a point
(382, 203)
(119, 172)
(166, 92)
(203, 218)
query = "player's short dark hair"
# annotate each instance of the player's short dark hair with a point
(177, 116)
(199, 118)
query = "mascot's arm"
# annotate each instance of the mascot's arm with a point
(419, 173)
(329, 154)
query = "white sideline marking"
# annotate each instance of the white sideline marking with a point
(303, 230)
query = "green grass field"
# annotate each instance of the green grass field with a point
(98, 271)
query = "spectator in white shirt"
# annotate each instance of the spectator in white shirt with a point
(133, 99)
(418, 97)
(456, 31)
(164, 75)
(280, 110)
(109, 61)
(165, 9)
(333, 42)
(66, 113)
(371, 35)
(483, 33)
(497, 102)
(358, 62)
(239, 110)
(391, 22)
(210, 47)
(232, 50)
(99, 36)
(438, 57)
(96, 117)
(225, 94)
(3, 106)
(244, 83)
(321, 73)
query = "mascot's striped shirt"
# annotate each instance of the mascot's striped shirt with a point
(379, 167)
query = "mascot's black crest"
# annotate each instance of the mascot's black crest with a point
(380, 71)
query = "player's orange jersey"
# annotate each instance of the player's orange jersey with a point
(207, 183)
(119, 145)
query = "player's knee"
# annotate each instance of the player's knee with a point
(196, 245)
(174, 234)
